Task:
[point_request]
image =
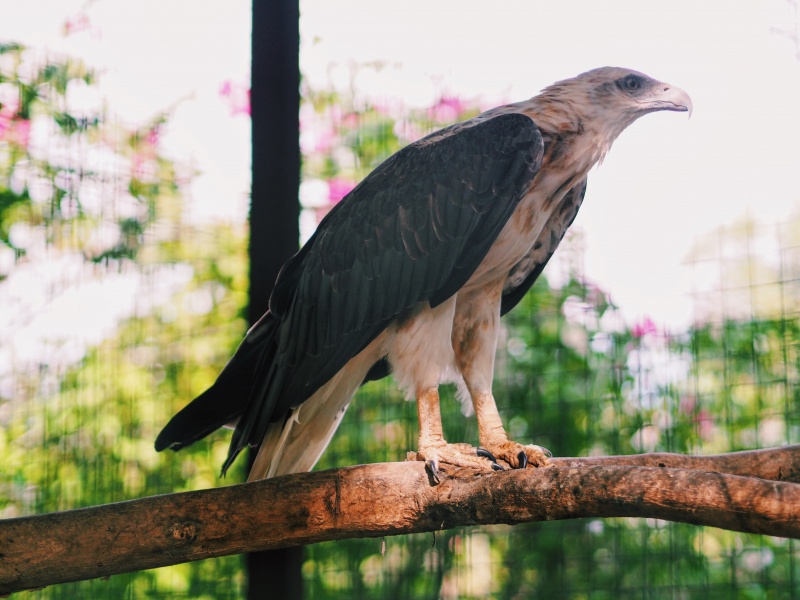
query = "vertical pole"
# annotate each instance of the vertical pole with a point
(275, 105)
(274, 214)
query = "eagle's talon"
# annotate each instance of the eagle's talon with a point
(462, 456)
(433, 467)
(520, 457)
(484, 453)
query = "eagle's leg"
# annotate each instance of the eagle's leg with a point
(493, 436)
(420, 351)
(433, 448)
(475, 330)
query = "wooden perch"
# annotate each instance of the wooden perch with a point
(754, 491)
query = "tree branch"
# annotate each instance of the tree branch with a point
(776, 464)
(396, 498)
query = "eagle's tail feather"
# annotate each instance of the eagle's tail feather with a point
(226, 400)
(271, 449)
(208, 412)
(296, 444)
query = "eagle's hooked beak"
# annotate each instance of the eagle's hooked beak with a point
(669, 97)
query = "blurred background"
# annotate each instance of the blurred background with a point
(667, 321)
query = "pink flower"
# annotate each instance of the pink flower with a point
(317, 139)
(390, 107)
(79, 23)
(447, 110)
(14, 129)
(643, 328)
(407, 131)
(705, 424)
(22, 131)
(9, 104)
(350, 120)
(145, 153)
(153, 135)
(687, 404)
(338, 189)
(76, 24)
(238, 97)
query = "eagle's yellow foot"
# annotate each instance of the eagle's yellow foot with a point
(519, 456)
(458, 455)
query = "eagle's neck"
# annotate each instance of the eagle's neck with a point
(576, 137)
(586, 131)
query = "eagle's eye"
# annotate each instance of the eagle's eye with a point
(632, 83)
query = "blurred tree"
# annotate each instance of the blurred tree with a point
(72, 179)
(111, 350)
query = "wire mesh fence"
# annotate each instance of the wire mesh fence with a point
(105, 284)
(93, 235)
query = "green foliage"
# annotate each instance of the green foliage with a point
(91, 441)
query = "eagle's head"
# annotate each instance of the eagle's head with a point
(605, 101)
(616, 94)
(631, 93)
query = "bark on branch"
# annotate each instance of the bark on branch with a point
(756, 491)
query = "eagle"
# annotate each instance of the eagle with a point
(410, 273)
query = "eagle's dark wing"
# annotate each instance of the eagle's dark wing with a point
(527, 271)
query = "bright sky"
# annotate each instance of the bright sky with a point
(666, 181)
